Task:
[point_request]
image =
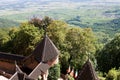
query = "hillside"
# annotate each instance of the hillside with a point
(7, 23)
(96, 14)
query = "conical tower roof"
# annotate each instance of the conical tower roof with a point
(46, 50)
(87, 72)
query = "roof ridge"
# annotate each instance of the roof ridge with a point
(43, 55)
(12, 54)
(92, 70)
(18, 68)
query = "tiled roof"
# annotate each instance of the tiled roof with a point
(7, 61)
(18, 68)
(87, 72)
(41, 68)
(5, 74)
(45, 50)
(19, 75)
(9, 56)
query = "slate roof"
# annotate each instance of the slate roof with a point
(46, 50)
(87, 72)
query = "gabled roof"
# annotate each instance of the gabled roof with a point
(19, 75)
(41, 68)
(18, 68)
(45, 50)
(87, 72)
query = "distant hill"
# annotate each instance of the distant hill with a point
(7, 23)
(100, 15)
(111, 27)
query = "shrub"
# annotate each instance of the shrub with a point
(54, 72)
(112, 74)
(118, 75)
(70, 77)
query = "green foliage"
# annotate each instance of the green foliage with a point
(64, 58)
(118, 75)
(102, 37)
(70, 77)
(4, 38)
(80, 41)
(109, 56)
(23, 41)
(54, 72)
(113, 74)
(3, 35)
(57, 32)
(100, 75)
(12, 32)
(110, 27)
(73, 42)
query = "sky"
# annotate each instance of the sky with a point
(12, 1)
(110, 0)
(60, 0)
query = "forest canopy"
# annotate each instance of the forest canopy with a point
(75, 44)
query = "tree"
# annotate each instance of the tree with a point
(4, 39)
(109, 56)
(73, 43)
(113, 74)
(57, 31)
(41, 23)
(80, 41)
(24, 40)
(36, 22)
(54, 72)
